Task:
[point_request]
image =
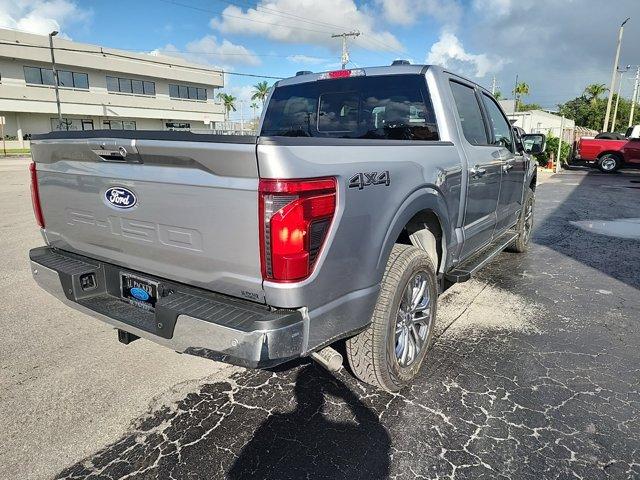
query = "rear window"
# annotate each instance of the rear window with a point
(394, 107)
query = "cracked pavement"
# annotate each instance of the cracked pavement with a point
(533, 374)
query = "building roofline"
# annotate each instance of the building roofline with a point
(24, 39)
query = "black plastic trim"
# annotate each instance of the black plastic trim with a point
(320, 141)
(147, 135)
(231, 312)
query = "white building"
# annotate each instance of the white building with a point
(101, 88)
(539, 121)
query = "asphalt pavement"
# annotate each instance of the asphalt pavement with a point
(534, 373)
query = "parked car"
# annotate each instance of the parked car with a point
(367, 193)
(608, 152)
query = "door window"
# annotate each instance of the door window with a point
(500, 126)
(470, 114)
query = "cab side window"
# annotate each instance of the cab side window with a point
(500, 126)
(470, 114)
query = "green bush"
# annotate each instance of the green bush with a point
(552, 146)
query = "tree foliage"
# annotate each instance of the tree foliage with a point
(552, 147)
(229, 102)
(589, 110)
(594, 90)
(521, 90)
(260, 91)
(523, 107)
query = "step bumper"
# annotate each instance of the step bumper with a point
(186, 319)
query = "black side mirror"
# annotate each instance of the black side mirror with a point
(534, 143)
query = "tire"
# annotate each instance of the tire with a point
(525, 224)
(609, 136)
(372, 353)
(609, 163)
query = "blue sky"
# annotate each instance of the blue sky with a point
(556, 46)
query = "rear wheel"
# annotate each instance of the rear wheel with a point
(609, 163)
(390, 352)
(525, 224)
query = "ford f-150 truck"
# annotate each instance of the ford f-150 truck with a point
(610, 154)
(366, 194)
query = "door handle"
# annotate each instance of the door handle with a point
(508, 165)
(477, 171)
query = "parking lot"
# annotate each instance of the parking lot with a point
(534, 372)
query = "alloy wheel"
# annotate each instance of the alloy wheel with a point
(413, 320)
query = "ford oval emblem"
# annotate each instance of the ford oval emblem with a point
(140, 294)
(120, 197)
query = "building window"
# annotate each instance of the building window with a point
(67, 79)
(125, 85)
(187, 92)
(81, 80)
(149, 88)
(71, 124)
(119, 124)
(178, 126)
(128, 85)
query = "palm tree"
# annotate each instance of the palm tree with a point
(594, 91)
(229, 102)
(255, 107)
(521, 90)
(260, 92)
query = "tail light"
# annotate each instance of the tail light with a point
(295, 216)
(35, 195)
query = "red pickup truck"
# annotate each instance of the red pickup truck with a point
(609, 154)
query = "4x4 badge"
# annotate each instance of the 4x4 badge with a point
(361, 180)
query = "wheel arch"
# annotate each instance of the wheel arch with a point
(421, 216)
(611, 152)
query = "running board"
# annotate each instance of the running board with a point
(465, 270)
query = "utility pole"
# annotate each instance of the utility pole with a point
(345, 51)
(493, 86)
(613, 76)
(241, 117)
(634, 97)
(615, 109)
(515, 96)
(55, 78)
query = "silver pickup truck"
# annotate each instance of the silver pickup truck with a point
(367, 193)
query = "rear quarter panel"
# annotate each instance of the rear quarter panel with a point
(422, 175)
(591, 148)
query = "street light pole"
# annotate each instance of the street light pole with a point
(613, 76)
(55, 78)
(560, 144)
(615, 110)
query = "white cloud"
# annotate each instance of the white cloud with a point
(40, 16)
(493, 7)
(449, 52)
(305, 59)
(407, 12)
(208, 50)
(329, 16)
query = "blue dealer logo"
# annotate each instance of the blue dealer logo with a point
(120, 197)
(139, 293)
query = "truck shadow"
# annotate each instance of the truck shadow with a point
(597, 197)
(305, 443)
(310, 424)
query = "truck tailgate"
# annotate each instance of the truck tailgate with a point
(191, 212)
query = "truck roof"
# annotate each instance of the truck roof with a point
(401, 69)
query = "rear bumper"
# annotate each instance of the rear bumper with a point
(186, 319)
